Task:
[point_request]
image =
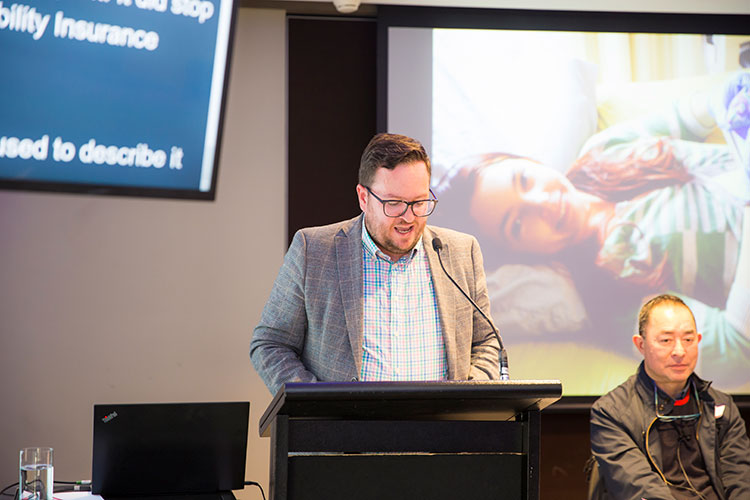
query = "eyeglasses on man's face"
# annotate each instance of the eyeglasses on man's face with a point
(397, 208)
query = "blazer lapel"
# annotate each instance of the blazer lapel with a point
(349, 263)
(445, 296)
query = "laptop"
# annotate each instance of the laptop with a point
(169, 451)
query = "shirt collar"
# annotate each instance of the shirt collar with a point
(372, 249)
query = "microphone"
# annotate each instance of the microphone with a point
(437, 245)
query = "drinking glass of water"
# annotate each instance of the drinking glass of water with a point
(36, 475)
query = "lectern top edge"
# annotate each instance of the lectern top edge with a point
(410, 399)
(490, 389)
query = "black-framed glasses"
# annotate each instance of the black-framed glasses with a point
(671, 418)
(397, 208)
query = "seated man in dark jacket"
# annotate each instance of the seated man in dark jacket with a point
(665, 433)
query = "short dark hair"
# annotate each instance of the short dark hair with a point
(645, 313)
(388, 151)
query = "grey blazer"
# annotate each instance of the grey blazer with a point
(311, 327)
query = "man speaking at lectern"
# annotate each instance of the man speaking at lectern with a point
(367, 300)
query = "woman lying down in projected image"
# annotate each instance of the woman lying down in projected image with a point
(648, 207)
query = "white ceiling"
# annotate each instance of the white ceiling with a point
(671, 6)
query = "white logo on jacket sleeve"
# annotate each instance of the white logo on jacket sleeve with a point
(719, 411)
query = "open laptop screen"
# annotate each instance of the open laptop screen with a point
(169, 448)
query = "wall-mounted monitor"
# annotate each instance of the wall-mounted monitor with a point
(599, 158)
(120, 97)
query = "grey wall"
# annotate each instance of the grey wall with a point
(107, 299)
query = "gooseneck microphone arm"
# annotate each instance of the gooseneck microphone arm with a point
(437, 245)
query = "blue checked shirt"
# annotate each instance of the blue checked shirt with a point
(402, 338)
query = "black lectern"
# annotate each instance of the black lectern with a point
(407, 440)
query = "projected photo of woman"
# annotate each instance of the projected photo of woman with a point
(647, 207)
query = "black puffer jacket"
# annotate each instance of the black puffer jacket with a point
(622, 423)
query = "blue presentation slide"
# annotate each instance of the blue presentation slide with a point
(112, 92)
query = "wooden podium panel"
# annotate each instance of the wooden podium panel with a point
(406, 440)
